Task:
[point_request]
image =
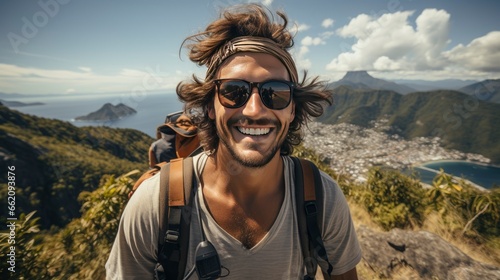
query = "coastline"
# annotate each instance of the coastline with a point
(454, 177)
(469, 171)
(420, 164)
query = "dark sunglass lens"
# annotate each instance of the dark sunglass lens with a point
(233, 94)
(276, 94)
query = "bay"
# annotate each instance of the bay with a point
(486, 176)
(151, 109)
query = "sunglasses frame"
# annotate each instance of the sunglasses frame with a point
(172, 117)
(252, 85)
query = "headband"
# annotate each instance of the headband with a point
(252, 44)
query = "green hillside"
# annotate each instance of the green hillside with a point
(55, 161)
(461, 121)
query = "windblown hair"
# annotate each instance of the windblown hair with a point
(310, 95)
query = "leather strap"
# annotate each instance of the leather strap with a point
(309, 183)
(176, 195)
(176, 184)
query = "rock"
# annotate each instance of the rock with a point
(108, 112)
(430, 256)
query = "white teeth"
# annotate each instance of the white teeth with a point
(254, 131)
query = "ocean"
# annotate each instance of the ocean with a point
(151, 109)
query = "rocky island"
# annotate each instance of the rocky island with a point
(18, 103)
(108, 112)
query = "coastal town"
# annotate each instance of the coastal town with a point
(352, 150)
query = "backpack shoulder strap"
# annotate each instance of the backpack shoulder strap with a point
(176, 193)
(309, 201)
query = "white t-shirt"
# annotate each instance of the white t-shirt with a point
(277, 256)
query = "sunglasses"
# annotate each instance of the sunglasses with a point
(172, 117)
(234, 93)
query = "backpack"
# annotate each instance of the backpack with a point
(176, 137)
(177, 189)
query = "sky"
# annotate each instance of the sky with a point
(92, 46)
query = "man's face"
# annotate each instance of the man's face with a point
(252, 134)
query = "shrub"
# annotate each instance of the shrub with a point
(465, 209)
(80, 250)
(392, 199)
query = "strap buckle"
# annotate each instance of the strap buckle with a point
(310, 208)
(172, 236)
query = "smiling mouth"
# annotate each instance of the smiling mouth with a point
(254, 131)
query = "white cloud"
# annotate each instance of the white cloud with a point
(328, 22)
(300, 58)
(299, 27)
(132, 73)
(301, 61)
(327, 34)
(392, 43)
(85, 69)
(267, 2)
(310, 41)
(303, 50)
(389, 36)
(14, 71)
(304, 63)
(482, 54)
(31, 80)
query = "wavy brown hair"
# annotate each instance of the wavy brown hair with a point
(310, 95)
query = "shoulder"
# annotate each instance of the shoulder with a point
(338, 231)
(199, 161)
(334, 202)
(134, 250)
(143, 206)
(336, 210)
(331, 189)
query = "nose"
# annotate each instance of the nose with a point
(254, 106)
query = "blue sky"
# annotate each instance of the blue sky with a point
(76, 46)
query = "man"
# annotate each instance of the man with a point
(253, 108)
(162, 150)
(177, 137)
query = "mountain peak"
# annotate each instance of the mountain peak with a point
(108, 112)
(356, 75)
(362, 80)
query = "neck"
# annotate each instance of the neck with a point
(227, 177)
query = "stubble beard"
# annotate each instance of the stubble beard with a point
(246, 161)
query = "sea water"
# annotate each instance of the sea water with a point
(151, 109)
(486, 176)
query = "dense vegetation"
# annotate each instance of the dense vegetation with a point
(78, 251)
(463, 122)
(55, 161)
